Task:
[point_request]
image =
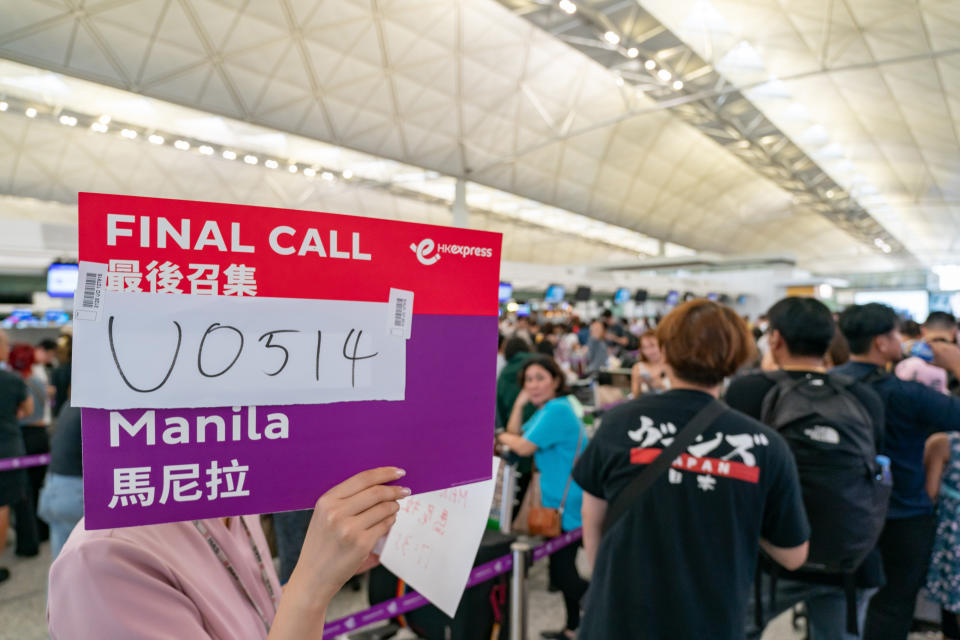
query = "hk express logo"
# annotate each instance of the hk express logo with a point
(423, 251)
(426, 255)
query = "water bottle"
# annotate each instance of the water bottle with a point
(884, 475)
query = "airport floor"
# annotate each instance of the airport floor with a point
(23, 601)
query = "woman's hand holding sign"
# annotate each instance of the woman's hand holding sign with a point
(347, 522)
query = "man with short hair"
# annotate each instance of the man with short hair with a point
(913, 412)
(44, 356)
(939, 326)
(800, 333)
(614, 334)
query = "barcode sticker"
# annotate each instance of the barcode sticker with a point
(400, 313)
(88, 301)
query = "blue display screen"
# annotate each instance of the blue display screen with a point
(506, 292)
(62, 280)
(554, 294)
(673, 297)
(622, 296)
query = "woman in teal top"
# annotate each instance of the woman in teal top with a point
(555, 436)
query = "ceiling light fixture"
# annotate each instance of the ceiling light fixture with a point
(633, 52)
(830, 193)
(155, 139)
(250, 159)
(30, 112)
(677, 85)
(271, 164)
(183, 145)
(292, 168)
(3, 105)
(129, 134)
(309, 172)
(326, 175)
(611, 37)
(664, 75)
(347, 174)
(650, 64)
(229, 155)
(104, 119)
(99, 127)
(68, 121)
(567, 7)
(205, 150)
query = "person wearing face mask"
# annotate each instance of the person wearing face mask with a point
(913, 412)
(650, 373)
(555, 437)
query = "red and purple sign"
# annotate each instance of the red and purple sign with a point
(241, 303)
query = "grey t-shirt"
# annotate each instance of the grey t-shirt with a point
(38, 390)
(596, 355)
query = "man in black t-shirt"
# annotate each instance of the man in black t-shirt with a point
(680, 561)
(800, 333)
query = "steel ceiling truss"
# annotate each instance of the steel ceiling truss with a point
(141, 135)
(707, 101)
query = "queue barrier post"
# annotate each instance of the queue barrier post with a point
(508, 492)
(518, 591)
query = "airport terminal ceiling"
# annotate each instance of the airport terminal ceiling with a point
(555, 118)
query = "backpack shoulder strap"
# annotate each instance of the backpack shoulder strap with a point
(645, 479)
(844, 384)
(785, 383)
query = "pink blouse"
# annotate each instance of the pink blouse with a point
(159, 581)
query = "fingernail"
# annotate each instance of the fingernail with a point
(401, 473)
(405, 491)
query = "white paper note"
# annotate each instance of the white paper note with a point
(164, 350)
(435, 540)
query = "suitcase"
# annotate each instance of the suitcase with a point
(475, 618)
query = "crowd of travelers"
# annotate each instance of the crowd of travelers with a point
(722, 472)
(808, 461)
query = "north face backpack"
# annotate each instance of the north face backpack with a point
(835, 445)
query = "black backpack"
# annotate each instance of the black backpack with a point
(835, 445)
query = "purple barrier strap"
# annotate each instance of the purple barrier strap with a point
(6, 464)
(482, 573)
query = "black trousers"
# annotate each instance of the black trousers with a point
(31, 530)
(905, 545)
(563, 574)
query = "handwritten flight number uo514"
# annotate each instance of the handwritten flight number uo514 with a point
(271, 340)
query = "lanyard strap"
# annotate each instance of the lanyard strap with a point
(222, 557)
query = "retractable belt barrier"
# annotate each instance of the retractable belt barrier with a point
(24, 462)
(408, 602)
(390, 608)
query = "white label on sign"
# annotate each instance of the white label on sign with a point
(88, 299)
(164, 350)
(400, 306)
(434, 542)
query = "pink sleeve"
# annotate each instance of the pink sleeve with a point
(109, 588)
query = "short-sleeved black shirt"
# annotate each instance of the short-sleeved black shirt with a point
(13, 391)
(680, 563)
